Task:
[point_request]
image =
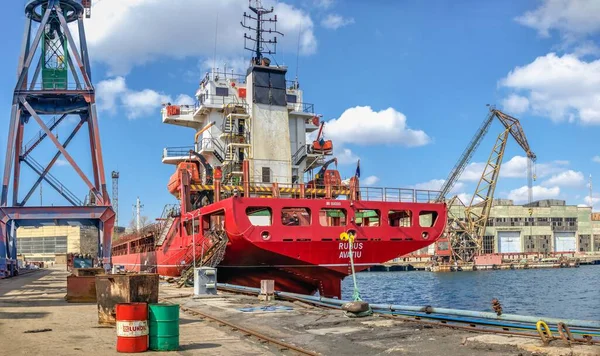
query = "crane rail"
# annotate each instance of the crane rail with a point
(246, 331)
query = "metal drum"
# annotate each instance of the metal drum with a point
(132, 327)
(164, 327)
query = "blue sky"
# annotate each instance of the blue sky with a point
(404, 85)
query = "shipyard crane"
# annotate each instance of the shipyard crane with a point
(466, 232)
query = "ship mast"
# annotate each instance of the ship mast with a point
(259, 49)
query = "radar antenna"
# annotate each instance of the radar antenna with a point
(257, 24)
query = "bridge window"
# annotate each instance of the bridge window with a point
(291, 98)
(295, 217)
(260, 216)
(266, 174)
(221, 91)
(332, 217)
(400, 218)
(367, 217)
(427, 218)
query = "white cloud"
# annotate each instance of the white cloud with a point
(335, 21)
(123, 34)
(516, 167)
(520, 195)
(561, 88)
(466, 198)
(61, 162)
(363, 126)
(237, 65)
(596, 159)
(593, 201)
(114, 93)
(515, 104)
(324, 4)
(572, 18)
(184, 99)
(436, 184)
(370, 180)
(345, 156)
(568, 178)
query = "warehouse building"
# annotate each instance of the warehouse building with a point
(543, 226)
(42, 244)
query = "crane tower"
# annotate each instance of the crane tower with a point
(54, 87)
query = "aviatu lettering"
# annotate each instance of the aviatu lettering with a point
(346, 254)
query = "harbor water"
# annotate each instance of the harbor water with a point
(554, 292)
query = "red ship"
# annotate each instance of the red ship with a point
(259, 202)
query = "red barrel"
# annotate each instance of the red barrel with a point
(132, 327)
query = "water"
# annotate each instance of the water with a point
(556, 292)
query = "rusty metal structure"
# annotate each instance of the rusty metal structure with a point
(465, 231)
(54, 84)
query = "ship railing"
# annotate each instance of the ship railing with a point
(169, 152)
(56, 84)
(222, 75)
(211, 144)
(402, 195)
(302, 107)
(213, 99)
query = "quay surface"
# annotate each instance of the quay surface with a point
(36, 301)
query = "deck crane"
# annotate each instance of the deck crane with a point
(466, 232)
(330, 176)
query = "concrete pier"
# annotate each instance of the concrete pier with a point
(35, 302)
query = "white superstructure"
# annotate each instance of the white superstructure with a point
(259, 117)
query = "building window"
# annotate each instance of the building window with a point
(291, 98)
(488, 244)
(46, 244)
(266, 174)
(221, 91)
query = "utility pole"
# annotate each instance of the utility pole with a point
(138, 207)
(115, 196)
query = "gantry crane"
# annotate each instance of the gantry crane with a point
(465, 231)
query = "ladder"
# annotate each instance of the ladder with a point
(165, 231)
(211, 257)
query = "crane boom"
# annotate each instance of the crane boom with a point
(466, 156)
(467, 238)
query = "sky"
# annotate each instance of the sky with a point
(402, 85)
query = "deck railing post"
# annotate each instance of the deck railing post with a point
(302, 191)
(217, 190)
(246, 177)
(275, 190)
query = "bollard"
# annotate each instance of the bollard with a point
(205, 281)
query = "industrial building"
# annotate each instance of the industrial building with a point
(42, 244)
(543, 226)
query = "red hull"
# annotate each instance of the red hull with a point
(302, 259)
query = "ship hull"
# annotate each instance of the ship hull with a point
(301, 259)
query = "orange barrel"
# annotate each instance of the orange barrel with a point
(132, 327)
